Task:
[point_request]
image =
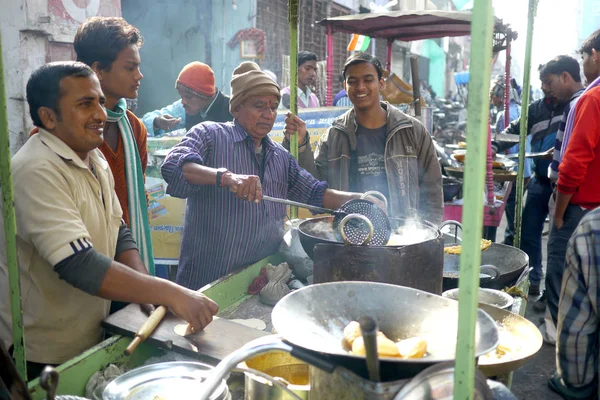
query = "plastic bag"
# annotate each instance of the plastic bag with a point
(292, 252)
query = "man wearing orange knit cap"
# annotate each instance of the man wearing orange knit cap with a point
(200, 101)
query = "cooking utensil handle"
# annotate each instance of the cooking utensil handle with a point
(320, 361)
(493, 268)
(49, 382)
(377, 195)
(280, 383)
(366, 220)
(368, 328)
(257, 346)
(146, 329)
(319, 210)
(456, 224)
(523, 275)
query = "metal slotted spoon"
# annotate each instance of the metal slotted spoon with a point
(356, 222)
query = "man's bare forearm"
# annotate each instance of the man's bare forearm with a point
(197, 174)
(123, 283)
(132, 259)
(334, 199)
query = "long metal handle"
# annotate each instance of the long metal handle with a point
(280, 383)
(292, 203)
(254, 348)
(368, 328)
(416, 84)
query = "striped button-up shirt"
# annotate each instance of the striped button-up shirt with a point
(221, 232)
(578, 336)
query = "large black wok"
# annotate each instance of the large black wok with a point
(313, 318)
(509, 261)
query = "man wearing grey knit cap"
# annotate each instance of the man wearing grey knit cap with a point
(228, 229)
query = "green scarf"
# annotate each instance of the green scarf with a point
(136, 191)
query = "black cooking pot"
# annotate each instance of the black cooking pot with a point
(508, 260)
(451, 188)
(417, 264)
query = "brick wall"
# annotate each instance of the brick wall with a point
(272, 18)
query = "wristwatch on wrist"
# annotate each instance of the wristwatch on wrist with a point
(220, 172)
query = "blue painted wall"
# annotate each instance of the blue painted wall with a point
(177, 32)
(437, 65)
(227, 22)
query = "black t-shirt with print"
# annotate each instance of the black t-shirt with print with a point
(370, 149)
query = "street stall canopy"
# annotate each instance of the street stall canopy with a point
(405, 25)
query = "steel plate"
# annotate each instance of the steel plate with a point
(163, 381)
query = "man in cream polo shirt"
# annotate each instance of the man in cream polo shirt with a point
(74, 252)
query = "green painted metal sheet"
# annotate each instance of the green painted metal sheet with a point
(475, 168)
(10, 231)
(293, 21)
(524, 117)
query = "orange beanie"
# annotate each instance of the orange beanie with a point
(198, 78)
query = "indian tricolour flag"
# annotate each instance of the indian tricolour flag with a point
(359, 43)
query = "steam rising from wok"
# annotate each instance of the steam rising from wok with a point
(412, 231)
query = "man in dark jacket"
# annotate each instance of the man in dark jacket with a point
(200, 101)
(375, 146)
(543, 123)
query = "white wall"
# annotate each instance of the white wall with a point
(12, 22)
(27, 27)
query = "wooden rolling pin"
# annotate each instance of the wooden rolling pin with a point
(146, 329)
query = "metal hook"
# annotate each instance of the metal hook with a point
(49, 382)
(452, 222)
(347, 218)
(376, 194)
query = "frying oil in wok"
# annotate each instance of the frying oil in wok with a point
(296, 374)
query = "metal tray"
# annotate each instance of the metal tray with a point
(164, 381)
(529, 155)
(498, 175)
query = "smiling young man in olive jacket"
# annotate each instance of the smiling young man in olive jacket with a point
(375, 146)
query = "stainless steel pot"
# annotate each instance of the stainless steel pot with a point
(284, 368)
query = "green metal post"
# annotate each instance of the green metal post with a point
(475, 167)
(293, 21)
(524, 115)
(10, 231)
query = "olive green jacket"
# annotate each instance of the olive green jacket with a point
(413, 171)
